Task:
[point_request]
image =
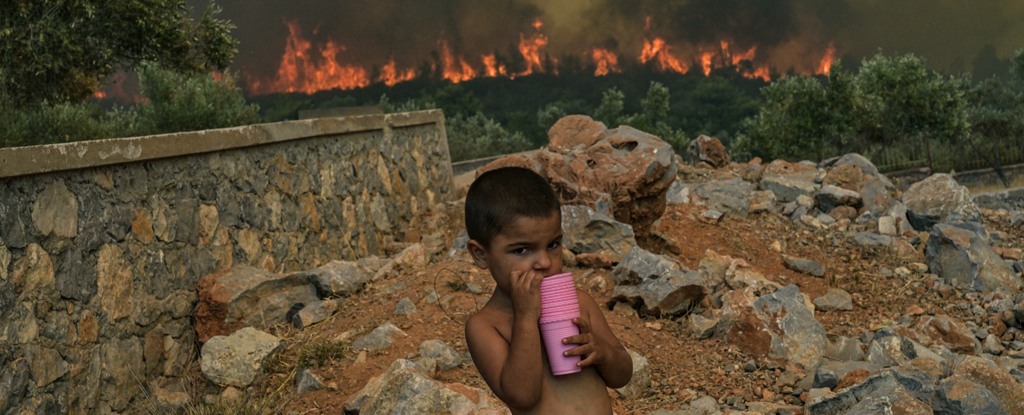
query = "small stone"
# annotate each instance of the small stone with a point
(653, 326)
(238, 359)
(804, 265)
(360, 358)
(913, 310)
(640, 382)
(835, 299)
(381, 337)
(824, 378)
(447, 357)
(405, 307)
(306, 381)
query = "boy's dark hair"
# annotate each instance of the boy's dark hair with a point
(501, 195)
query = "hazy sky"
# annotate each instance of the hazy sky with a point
(788, 33)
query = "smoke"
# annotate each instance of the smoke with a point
(788, 34)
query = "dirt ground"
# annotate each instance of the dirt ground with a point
(683, 368)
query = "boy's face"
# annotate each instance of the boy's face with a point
(527, 244)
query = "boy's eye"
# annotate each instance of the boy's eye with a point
(519, 251)
(554, 245)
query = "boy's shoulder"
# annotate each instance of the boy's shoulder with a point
(488, 315)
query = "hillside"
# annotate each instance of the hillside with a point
(892, 295)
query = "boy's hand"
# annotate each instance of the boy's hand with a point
(594, 349)
(526, 294)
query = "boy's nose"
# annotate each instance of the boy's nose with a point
(543, 261)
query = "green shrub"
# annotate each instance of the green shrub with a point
(477, 136)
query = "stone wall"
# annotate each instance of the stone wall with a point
(102, 243)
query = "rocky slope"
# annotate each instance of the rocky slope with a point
(772, 289)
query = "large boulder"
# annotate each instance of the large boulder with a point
(405, 389)
(239, 359)
(655, 284)
(707, 150)
(344, 278)
(1001, 384)
(588, 163)
(780, 326)
(958, 254)
(731, 196)
(789, 180)
(244, 296)
(587, 231)
(939, 199)
(856, 173)
(943, 331)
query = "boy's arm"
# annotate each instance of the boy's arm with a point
(512, 370)
(599, 346)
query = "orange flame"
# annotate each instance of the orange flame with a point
(456, 69)
(390, 75)
(492, 68)
(705, 62)
(299, 72)
(606, 61)
(826, 62)
(530, 49)
(658, 49)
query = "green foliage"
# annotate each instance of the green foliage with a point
(716, 107)
(477, 136)
(890, 102)
(59, 50)
(180, 102)
(1017, 65)
(653, 118)
(285, 107)
(45, 123)
(610, 110)
(176, 102)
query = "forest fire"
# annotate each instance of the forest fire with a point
(305, 69)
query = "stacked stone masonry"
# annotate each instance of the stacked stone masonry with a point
(102, 243)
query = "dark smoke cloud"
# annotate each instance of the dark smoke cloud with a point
(788, 33)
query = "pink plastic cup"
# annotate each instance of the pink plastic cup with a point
(553, 333)
(567, 311)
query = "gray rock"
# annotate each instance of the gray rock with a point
(845, 349)
(75, 278)
(461, 241)
(444, 355)
(795, 335)
(846, 398)
(316, 312)
(887, 351)
(830, 196)
(404, 389)
(588, 231)
(640, 265)
(677, 193)
(887, 402)
(787, 187)
(342, 278)
(405, 307)
(992, 345)
(1017, 219)
(306, 381)
(701, 327)
(957, 254)
(835, 299)
(56, 211)
(667, 295)
(13, 383)
(963, 397)
(804, 265)
(249, 297)
(379, 338)
(916, 382)
(762, 201)
(998, 382)
(706, 405)
(939, 199)
(731, 196)
(871, 239)
(824, 378)
(238, 359)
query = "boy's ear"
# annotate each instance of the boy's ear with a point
(477, 251)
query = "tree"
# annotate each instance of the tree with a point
(891, 101)
(1017, 64)
(61, 50)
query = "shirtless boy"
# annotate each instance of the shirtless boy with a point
(515, 227)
